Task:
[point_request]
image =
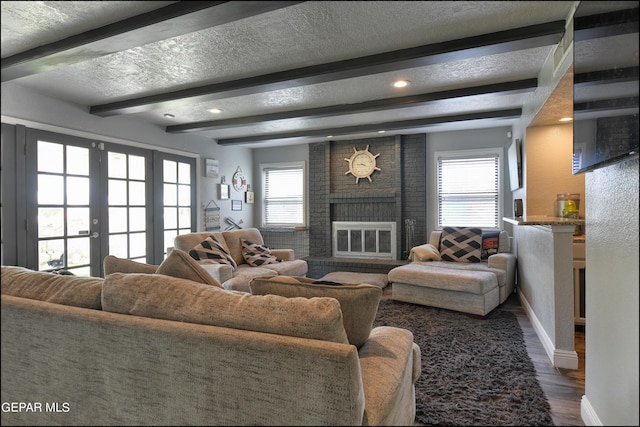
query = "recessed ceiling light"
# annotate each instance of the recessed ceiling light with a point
(215, 110)
(566, 119)
(169, 116)
(401, 83)
(381, 131)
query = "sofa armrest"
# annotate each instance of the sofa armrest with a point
(220, 272)
(503, 261)
(284, 254)
(506, 262)
(390, 365)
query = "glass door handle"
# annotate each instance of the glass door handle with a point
(95, 235)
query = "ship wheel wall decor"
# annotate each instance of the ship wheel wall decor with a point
(362, 164)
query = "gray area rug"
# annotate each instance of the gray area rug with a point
(474, 371)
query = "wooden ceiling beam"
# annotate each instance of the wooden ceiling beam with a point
(506, 88)
(373, 127)
(547, 34)
(176, 19)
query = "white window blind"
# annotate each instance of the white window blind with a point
(468, 191)
(283, 196)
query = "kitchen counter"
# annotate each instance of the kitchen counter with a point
(544, 220)
(548, 220)
(545, 249)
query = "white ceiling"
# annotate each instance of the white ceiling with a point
(265, 58)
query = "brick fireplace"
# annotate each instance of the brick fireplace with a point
(396, 192)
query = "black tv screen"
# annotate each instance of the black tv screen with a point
(605, 84)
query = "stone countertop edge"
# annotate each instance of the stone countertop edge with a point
(544, 220)
(548, 220)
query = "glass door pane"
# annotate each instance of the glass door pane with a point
(62, 211)
(127, 205)
(177, 199)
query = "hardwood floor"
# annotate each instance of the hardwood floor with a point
(563, 387)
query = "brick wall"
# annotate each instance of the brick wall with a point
(397, 191)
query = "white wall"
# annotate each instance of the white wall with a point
(611, 211)
(289, 153)
(467, 140)
(612, 297)
(21, 105)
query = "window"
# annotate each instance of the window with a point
(283, 201)
(468, 188)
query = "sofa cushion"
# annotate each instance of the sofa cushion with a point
(179, 264)
(113, 264)
(60, 289)
(257, 255)
(296, 267)
(490, 243)
(242, 277)
(461, 244)
(426, 252)
(212, 251)
(163, 297)
(359, 303)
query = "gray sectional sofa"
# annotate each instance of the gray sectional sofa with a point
(152, 349)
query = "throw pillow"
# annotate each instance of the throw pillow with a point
(359, 303)
(461, 244)
(179, 264)
(490, 243)
(426, 252)
(212, 251)
(257, 255)
(162, 297)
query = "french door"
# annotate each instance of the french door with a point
(87, 199)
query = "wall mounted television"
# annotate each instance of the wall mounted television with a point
(605, 92)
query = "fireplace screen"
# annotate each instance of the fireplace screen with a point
(364, 239)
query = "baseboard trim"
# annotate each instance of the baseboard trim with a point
(588, 414)
(559, 358)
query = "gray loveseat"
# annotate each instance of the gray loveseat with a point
(151, 349)
(238, 279)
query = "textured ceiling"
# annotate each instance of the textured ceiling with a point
(262, 63)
